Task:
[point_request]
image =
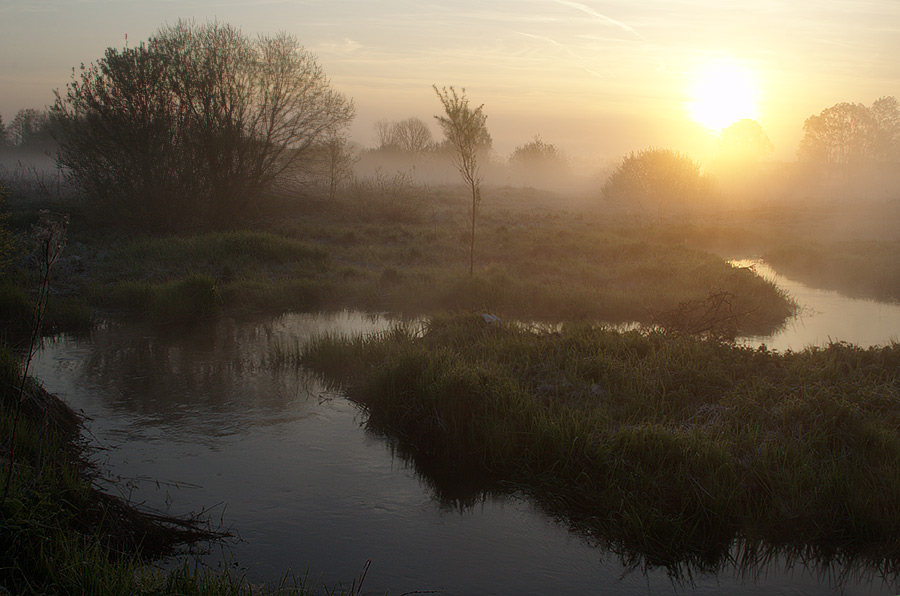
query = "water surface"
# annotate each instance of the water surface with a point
(827, 316)
(199, 419)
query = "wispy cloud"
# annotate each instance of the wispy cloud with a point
(344, 46)
(578, 59)
(609, 20)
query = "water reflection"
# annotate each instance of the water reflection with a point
(205, 411)
(826, 316)
(727, 559)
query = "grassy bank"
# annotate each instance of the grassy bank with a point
(531, 264)
(863, 269)
(663, 445)
(59, 535)
(848, 247)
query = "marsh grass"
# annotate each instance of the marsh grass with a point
(668, 446)
(539, 264)
(864, 269)
(235, 248)
(195, 296)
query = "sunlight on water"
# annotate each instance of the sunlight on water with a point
(827, 316)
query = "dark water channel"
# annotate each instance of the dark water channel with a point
(199, 419)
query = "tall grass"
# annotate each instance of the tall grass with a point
(532, 265)
(859, 268)
(664, 445)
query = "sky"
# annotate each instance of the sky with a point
(599, 79)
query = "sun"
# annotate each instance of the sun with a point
(722, 93)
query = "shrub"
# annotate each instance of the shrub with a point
(657, 180)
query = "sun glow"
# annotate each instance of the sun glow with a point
(722, 93)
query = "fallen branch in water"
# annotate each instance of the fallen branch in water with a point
(713, 316)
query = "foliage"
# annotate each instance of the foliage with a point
(30, 130)
(50, 238)
(466, 132)
(410, 136)
(335, 160)
(852, 134)
(7, 240)
(886, 111)
(194, 126)
(657, 179)
(385, 198)
(536, 160)
(866, 269)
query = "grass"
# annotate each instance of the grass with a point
(658, 444)
(864, 269)
(530, 265)
(663, 445)
(850, 247)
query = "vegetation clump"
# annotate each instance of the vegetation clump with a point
(195, 126)
(664, 445)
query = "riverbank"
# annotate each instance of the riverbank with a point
(59, 534)
(665, 447)
(532, 263)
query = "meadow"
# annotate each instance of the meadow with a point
(534, 261)
(667, 444)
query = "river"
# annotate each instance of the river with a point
(199, 419)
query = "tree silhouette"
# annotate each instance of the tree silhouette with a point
(656, 178)
(410, 135)
(852, 134)
(31, 130)
(466, 132)
(744, 141)
(537, 159)
(194, 126)
(886, 111)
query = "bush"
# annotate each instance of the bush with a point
(385, 198)
(657, 180)
(194, 126)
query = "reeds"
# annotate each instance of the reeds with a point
(666, 445)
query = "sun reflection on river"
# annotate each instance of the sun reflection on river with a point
(826, 316)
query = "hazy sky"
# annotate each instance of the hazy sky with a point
(598, 78)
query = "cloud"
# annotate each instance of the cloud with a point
(601, 16)
(577, 59)
(344, 46)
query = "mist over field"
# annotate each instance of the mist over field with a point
(616, 284)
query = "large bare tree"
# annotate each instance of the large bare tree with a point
(195, 125)
(410, 135)
(466, 132)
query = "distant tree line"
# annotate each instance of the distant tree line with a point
(852, 134)
(197, 125)
(410, 136)
(30, 130)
